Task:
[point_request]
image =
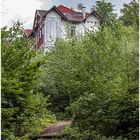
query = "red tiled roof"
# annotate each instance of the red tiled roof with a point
(67, 13)
(71, 15)
(28, 32)
(64, 9)
(74, 17)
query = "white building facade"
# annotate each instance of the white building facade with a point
(61, 22)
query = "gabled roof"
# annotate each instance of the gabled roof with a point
(95, 14)
(71, 15)
(58, 11)
(75, 16)
(42, 13)
(66, 13)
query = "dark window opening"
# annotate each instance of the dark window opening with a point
(73, 31)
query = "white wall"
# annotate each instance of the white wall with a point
(52, 28)
(55, 27)
(80, 29)
(92, 23)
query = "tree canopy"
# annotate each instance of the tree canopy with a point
(91, 80)
(105, 10)
(23, 106)
(94, 81)
(130, 13)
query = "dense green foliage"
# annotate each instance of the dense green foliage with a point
(23, 106)
(130, 13)
(91, 80)
(94, 79)
(106, 11)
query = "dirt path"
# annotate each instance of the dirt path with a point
(55, 128)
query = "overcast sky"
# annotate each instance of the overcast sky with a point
(12, 10)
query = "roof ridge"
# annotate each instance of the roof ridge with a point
(65, 7)
(74, 11)
(68, 8)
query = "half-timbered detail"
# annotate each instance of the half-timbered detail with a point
(59, 22)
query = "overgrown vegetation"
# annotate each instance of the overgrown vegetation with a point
(94, 80)
(23, 106)
(91, 80)
(106, 11)
(130, 14)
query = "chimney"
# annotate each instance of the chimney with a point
(84, 12)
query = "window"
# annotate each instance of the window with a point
(70, 30)
(73, 31)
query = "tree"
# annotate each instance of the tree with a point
(105, 10)
(113, 111)
(23, 106)
(130, 13)
(95, 78)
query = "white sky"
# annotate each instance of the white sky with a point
(18, 9)
(12, 10)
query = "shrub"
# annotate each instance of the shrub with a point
(95, 78)
(23, 106)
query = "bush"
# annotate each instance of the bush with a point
(95, 78)
(72, 133)
(23, 106)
